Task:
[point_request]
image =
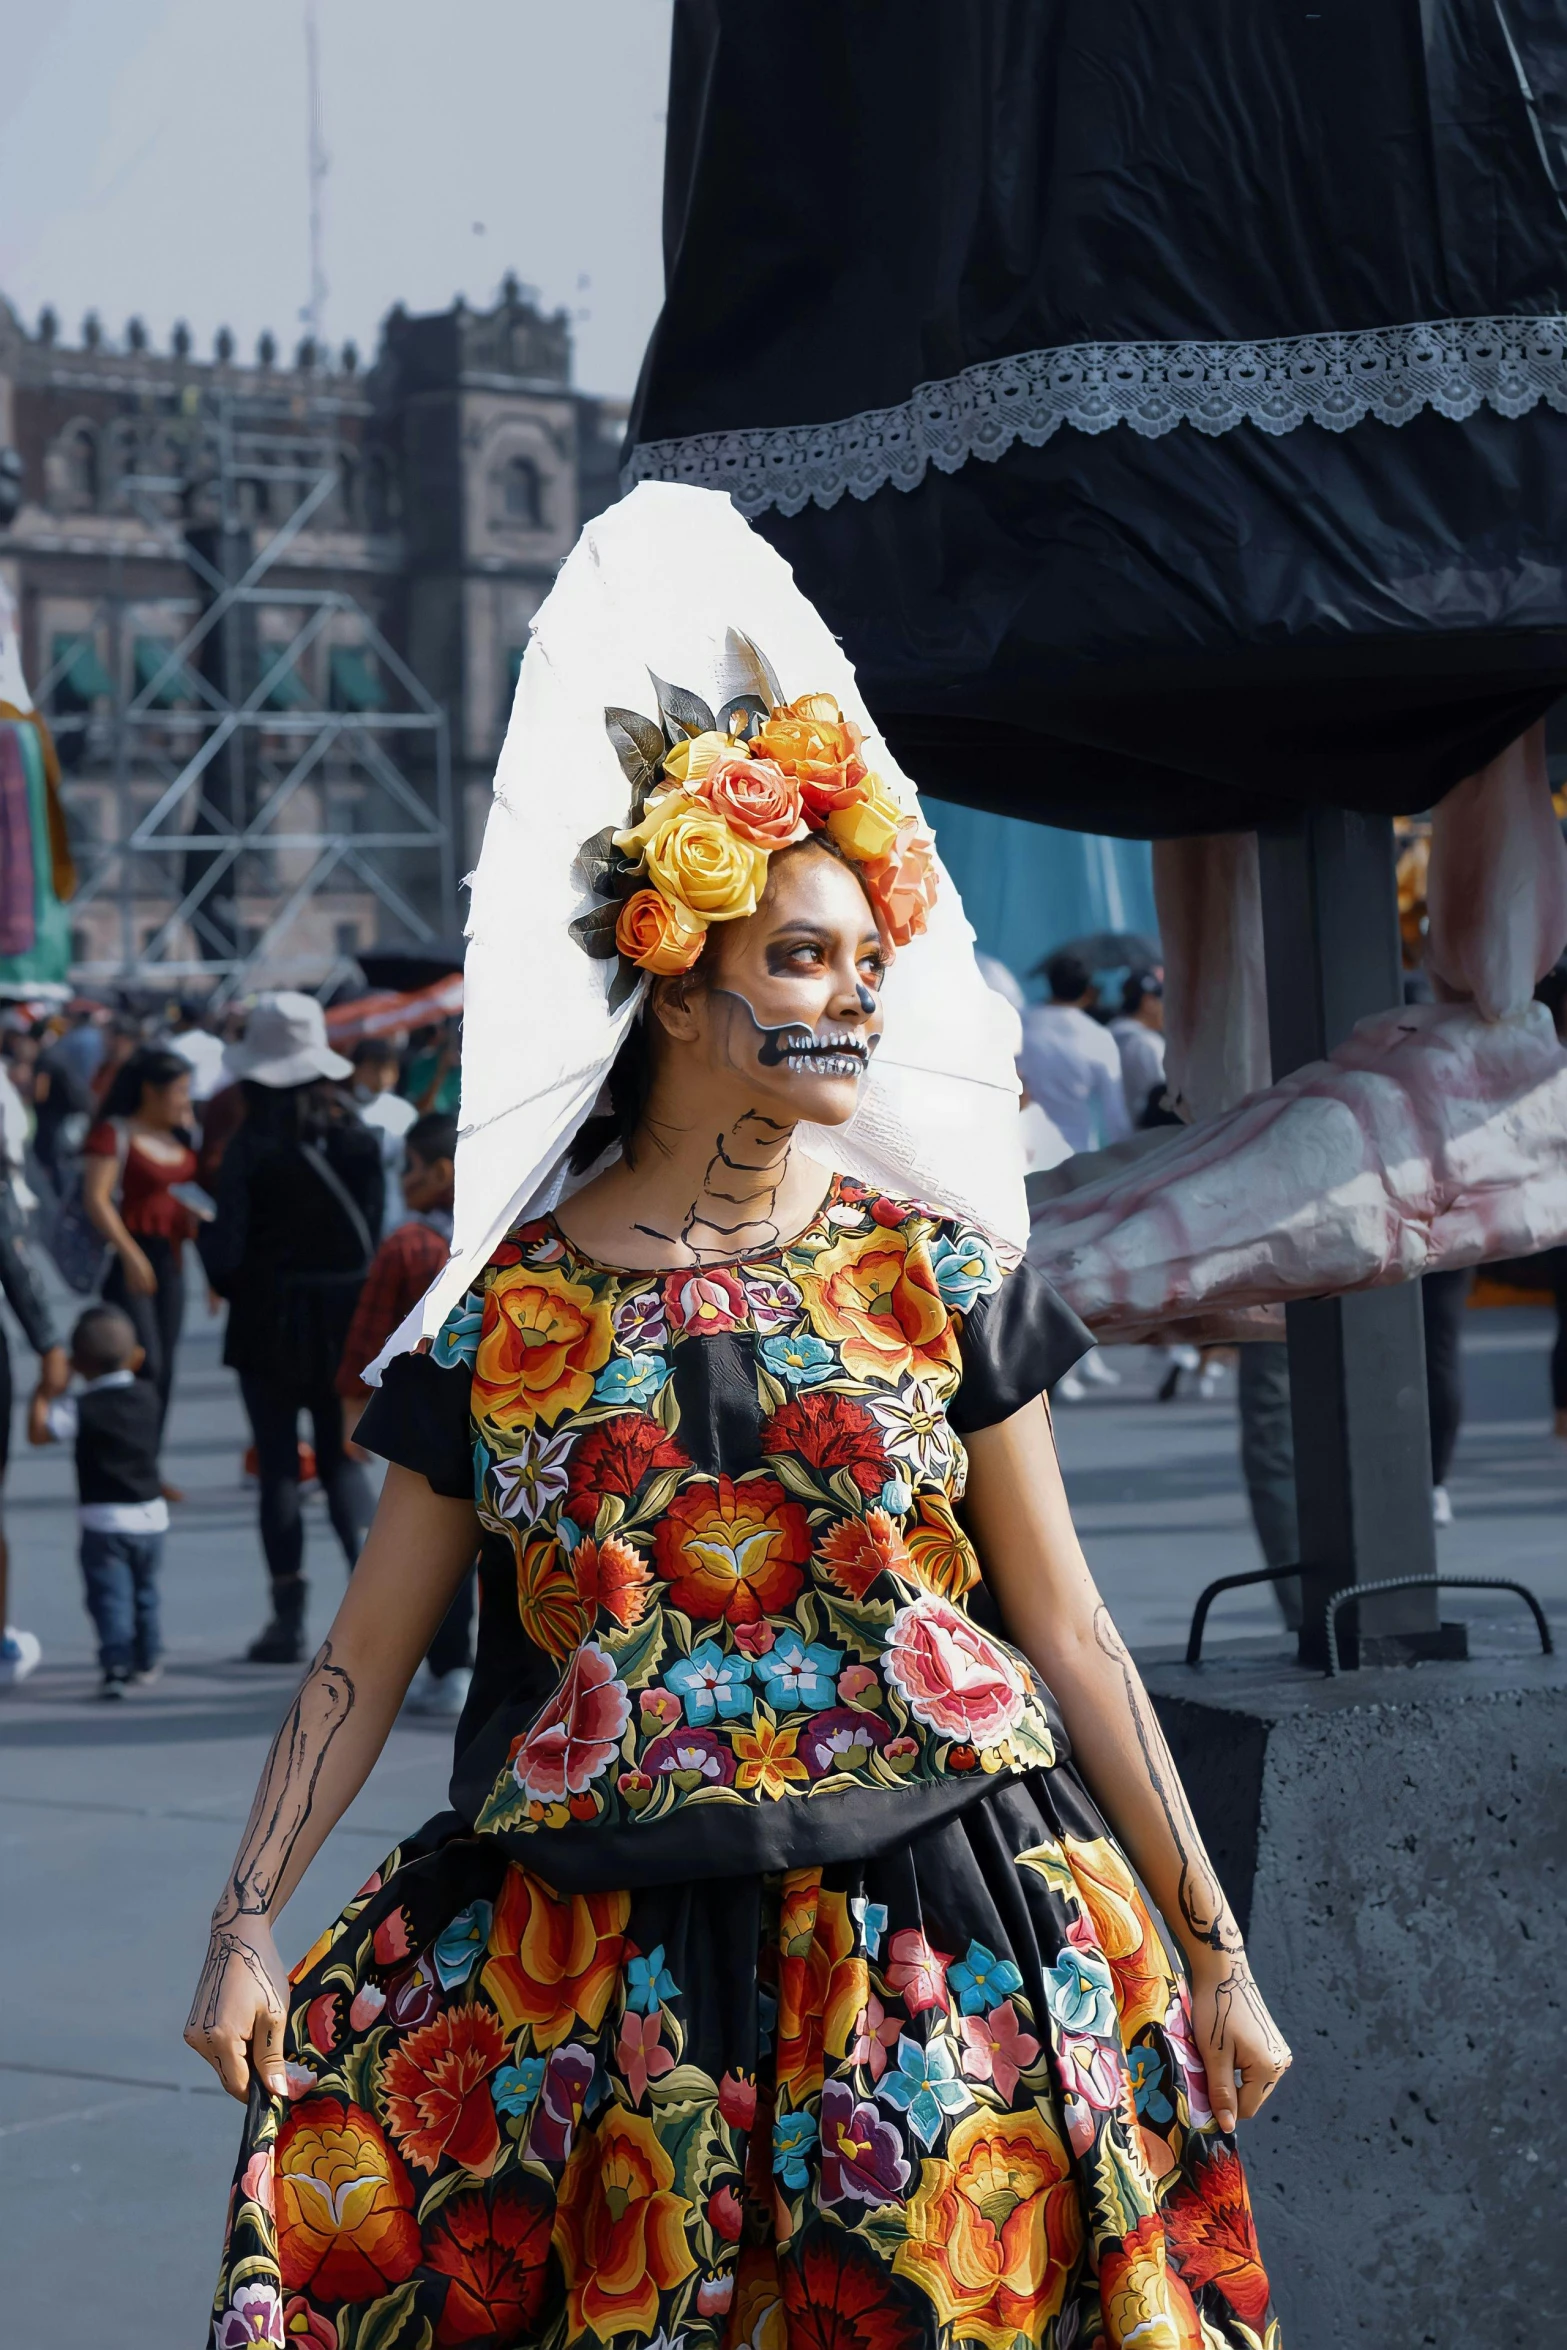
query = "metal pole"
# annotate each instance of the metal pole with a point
(1357, 1363)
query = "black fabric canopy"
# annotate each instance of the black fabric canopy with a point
(1164, 402)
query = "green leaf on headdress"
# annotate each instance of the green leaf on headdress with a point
(603, 868)
(749, 706)
(595, 932)
(624, 984)
(683, 714)
(638, 745)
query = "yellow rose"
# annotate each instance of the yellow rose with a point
(694, 858)
(660, 810)
(691, 760)
(867, 828)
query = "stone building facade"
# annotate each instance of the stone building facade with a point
(448, 479)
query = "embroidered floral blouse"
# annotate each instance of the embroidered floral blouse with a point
(729, 1618)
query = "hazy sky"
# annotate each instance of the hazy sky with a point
(153, 162)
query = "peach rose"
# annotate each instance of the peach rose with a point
(755, 798)
(866, 828)
(811, 740)
(658, 935)
(902, 884)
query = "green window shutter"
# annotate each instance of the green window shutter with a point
(355, 685)
(178, 686)
(85, 676)
(286, 692)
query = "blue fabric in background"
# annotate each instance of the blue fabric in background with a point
(1028, 888)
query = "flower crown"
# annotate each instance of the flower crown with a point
(713, 797)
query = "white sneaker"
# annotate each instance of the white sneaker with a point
(1183, 1357)
(19, 1655)
(1441, 1506)
(1095, 1368)
(1069, 1389)
(1210, 1381)
(439, 1693)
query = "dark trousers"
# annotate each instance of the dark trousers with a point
(157, 1320)
(1443, 1298)
(1268, 1461)
(273, 1407)
(453, 1642)
(121, 1575)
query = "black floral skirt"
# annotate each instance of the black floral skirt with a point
(945, 2097)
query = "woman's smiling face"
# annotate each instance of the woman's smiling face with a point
(787, 1001)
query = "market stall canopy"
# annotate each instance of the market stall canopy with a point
(1167, 407)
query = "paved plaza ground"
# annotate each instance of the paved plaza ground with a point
(116, 1823)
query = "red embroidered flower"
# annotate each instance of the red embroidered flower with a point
(727, 2214)
(705, 1303)
(613, 1576)
(737, 2101)
(574, 1739)
(1209, 2227)
(496, 2255)
(614, 1459)
(857, 1550)
(837, 2296)
(916, 1970)
(830, 1432)
(956, 1680)
(436, 2087)
(344, 2204)
(734, 1549)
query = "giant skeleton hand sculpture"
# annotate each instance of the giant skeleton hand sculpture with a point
(1434, 1136)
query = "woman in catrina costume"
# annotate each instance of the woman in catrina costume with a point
(784, 1973)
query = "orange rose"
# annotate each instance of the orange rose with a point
(811, 740)
(1144, 1982)
(903, 884)
(344, 2204)
(875, 1294)
(620, 2232)
(755, 798)
(542, 1341)
(656, 934)
(822, 1985)
(995, 2230)
(553, 1957)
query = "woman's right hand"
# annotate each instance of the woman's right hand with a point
(140, 1279)
(241, 2004)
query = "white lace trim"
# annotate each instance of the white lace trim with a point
(1337, 380)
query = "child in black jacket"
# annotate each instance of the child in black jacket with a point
(113, 1421)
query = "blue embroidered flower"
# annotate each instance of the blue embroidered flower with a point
(965, 1268)
(798, 1362)
(925, 2087)
(794, 2134)
(457, 1340)
(897, 1497)
(794, 1675)
(1080, 1993)
(982, 1980)
(708, 1683)
(871, 1918)
(631, 1380)
(1146, 2068)
(517, 2085)
(460, 1946)
(649, 1981)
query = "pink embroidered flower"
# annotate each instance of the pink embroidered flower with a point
(574, 1740)
(753, 1640)
(706, 1303)
(301, 2080)
(737, 2100)
(369, 2000)
(874, 2034)
(955, 1679)
(997, 2048)
(256, 2180)
(390, 1940)
(726, 2213)
(1089, 2070)
(858, 1685)
(640, 2052)
(321, 2024)
(714, 2294)
(917, 1972)
(372, 1884)
(660, 1710)
(1188, 2057)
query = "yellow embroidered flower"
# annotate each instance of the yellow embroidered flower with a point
(544, 1338)
(867, 828)
(996, 2229)
(767, 1758)
(1144, 1984)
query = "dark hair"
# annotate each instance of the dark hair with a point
(630, 1082)
(104, 1339)
(1138, 985)
(1067, 977)
(432, 1137)
(150, 1066)
(292, 1113)
(373, 1048)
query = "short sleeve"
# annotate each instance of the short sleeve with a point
(101, 1141)
(418, 1417)
(1016, 1341)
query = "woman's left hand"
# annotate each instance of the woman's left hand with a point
(1235, 2034)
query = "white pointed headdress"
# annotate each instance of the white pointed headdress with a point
(674, 582)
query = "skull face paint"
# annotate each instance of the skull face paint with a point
(826, 1050)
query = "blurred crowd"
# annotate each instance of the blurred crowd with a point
(309, 1189)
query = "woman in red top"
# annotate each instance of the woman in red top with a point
(132, 1160)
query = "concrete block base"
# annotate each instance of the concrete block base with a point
(1394, 1843)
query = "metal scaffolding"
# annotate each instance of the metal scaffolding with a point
(229, 768)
